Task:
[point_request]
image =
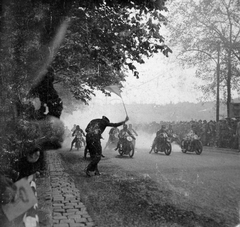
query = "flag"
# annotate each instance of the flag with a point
(116, 89)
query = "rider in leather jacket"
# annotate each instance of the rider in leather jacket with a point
(122, 134)
(188, 138)
(77, 132)
(163, 129)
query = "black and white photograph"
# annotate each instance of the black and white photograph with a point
(119, 113)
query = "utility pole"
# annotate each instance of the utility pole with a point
(218, 82)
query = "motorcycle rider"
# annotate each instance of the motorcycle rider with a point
(130, 128)
(172, 135)
(114, 131)
(94, 130)
(238, 133)
(78, 133)
(124, 132)
(189, 136)
(170, 130)
(163, 129)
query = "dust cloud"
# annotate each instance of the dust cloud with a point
(95, 110)
(67, 142)
(144, 142)
(84, 115)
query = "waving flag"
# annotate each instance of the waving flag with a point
(116, 88)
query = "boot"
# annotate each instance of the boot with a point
(97, 173)
(88, 173)
(151, 150)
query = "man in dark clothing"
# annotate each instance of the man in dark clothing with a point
(94, 131)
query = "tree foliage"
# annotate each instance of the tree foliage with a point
(103, 42)
(104, 39)
(197, 29)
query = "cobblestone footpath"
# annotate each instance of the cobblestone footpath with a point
(67, 209)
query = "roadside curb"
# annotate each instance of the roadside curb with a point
(67, 209)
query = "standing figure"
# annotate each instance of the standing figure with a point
(238, 134)
(130, 128)
(94, 132)
(27, 167)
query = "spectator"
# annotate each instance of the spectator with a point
(238, 133)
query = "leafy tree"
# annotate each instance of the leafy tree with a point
(197, 29)
(103, 39)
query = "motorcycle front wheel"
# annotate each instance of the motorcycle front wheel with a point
(131, 153)
(78, 146)
(198, 147)
(120, 152)
(184, 150)
(168, 149)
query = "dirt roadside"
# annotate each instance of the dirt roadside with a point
(120, 198)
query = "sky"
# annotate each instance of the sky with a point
(161, 81)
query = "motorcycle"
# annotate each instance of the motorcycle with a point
(192, 144)
(78, 143)
(163, 144)
(126, 146)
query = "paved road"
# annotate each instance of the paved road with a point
(210, 181)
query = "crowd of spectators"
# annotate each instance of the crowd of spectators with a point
(220, 134)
